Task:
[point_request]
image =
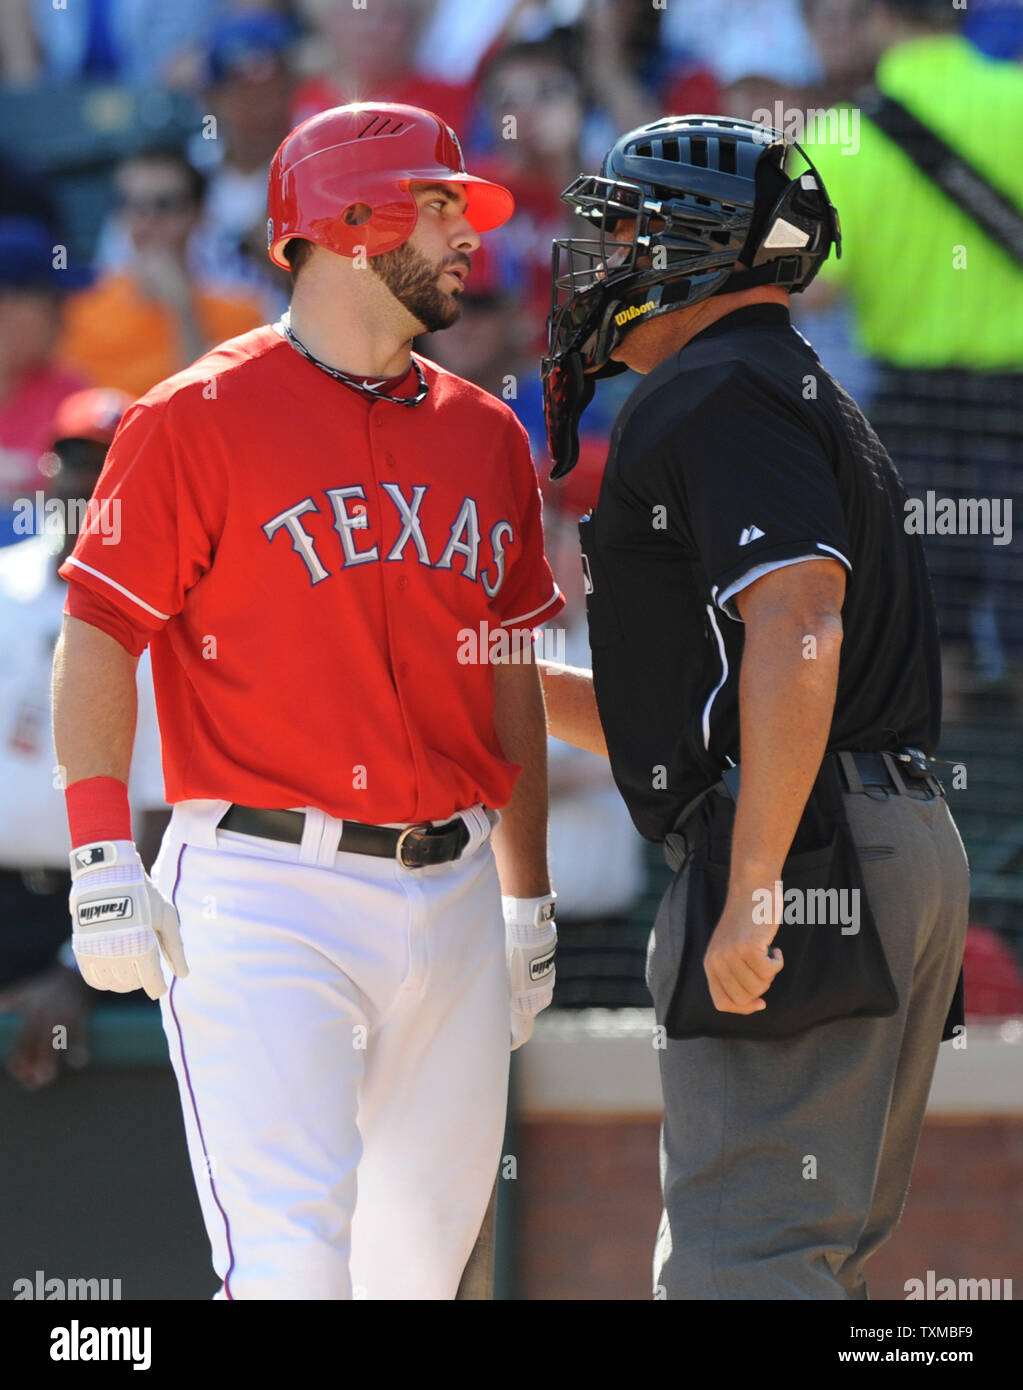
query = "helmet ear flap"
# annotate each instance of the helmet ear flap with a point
(380, 220)
(772, 184)
(800, 219)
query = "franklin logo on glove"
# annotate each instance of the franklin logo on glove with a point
(107, 911)
(540, 969)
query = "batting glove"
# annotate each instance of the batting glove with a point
(121, 921)
(531, 940)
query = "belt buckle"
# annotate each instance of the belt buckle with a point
(399, 849)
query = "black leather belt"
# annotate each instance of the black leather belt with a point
(414, 846)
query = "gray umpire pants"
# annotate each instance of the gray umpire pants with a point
(785, 1164)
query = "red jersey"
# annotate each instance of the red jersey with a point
(306, 563)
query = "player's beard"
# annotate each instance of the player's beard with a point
(413, 281)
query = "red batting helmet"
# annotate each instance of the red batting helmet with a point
(368, 153)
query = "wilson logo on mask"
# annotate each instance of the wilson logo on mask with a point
(632, 312)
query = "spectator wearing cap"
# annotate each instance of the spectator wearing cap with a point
(37, 977)
(136, 327)
(32, 290)
(937, 302)
(248, 88)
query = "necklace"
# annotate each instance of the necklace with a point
(352, 382)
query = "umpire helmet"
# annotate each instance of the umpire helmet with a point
(368, 153)
(699, 194)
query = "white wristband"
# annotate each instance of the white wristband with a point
(529, 912)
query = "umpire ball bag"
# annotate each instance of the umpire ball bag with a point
(835, 964)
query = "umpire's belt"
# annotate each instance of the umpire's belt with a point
(908, 772)
(414, 846)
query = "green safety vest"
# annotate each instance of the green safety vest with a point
(929, 289)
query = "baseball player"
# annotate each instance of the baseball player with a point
(766, 684)
(330, 546)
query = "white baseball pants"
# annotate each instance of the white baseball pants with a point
(341, 1048)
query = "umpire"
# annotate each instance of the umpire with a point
(766, 684)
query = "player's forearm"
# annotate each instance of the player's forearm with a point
(94, 703)
(520, 841)
(786, 704)
(572, 706)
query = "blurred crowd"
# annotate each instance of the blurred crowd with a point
(135, 139)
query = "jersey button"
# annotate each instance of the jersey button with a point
(403, 582)
(403, 669)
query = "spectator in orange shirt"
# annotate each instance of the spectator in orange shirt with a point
(132, 329)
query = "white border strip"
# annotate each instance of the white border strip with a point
(724, 676)
(120, 589)
(768, 566)
(508, 622)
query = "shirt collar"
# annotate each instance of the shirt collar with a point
(747, 316)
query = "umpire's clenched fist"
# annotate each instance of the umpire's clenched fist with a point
(739, 961)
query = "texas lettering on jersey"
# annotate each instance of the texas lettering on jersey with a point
(348, 509)
(246, 484)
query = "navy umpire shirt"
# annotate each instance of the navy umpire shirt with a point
(735, 456)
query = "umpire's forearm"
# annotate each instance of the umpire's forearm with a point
(572, 706)
(520, 841)
(786, 705)
(94, 704)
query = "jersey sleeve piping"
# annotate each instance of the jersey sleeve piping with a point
(555, 599)
(724, 598)
(164, 617)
